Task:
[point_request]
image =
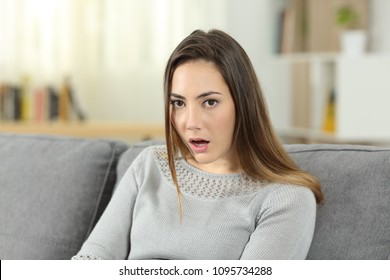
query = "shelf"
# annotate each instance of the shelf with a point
(307, 135)
(324, 57)
(132, 132)
(306, 57)
(111, 130)
(314, 70)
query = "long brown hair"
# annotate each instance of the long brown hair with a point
(260, 151)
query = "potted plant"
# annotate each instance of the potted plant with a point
(353, 36)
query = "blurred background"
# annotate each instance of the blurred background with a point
(94, 68)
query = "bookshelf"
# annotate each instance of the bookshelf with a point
(313, 26)
(311, 49)
(302, 57)
(54, 110)
(126, 131)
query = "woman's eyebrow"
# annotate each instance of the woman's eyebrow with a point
(178, 96)
(200, 96)
(203, 95)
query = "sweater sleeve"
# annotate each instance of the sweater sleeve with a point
(285, 225)
(110, 239)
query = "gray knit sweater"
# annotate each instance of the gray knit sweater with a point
(224, 216)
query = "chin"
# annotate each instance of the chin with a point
(203, 159)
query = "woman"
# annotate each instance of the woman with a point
(223, 187)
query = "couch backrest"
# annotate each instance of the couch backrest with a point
(354, 221)
(53, 190)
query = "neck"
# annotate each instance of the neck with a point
(220, 167)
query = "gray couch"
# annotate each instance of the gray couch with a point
(54, 189)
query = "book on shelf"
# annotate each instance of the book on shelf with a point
(68, 104)
(10, 103)
(278, 35)
(329, 123)
(292, 28)
(25, 102)
(40, 105)
(52, 98)
(64, 103)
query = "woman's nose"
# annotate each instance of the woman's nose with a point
(193, 121)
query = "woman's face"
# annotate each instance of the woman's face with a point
(202, 111)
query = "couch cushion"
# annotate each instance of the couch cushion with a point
(53, 190)
(354, 221)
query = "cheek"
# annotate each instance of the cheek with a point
(175, 120)
(225, 123)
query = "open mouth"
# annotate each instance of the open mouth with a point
(199, 145)
(199, 142)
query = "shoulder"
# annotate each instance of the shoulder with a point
(290, 193)
(139, 160)
(142, 164)
(292, 198)
(151, 159)
(151, 153)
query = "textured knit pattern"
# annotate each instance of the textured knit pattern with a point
(199, 184)
(227, 216)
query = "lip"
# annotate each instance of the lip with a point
(199, 145)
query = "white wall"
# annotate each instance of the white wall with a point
(250, 22)
(379, 26)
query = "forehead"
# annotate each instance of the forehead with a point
(197, 74)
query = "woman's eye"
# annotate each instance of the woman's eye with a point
(210, 103)
(177, 103)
